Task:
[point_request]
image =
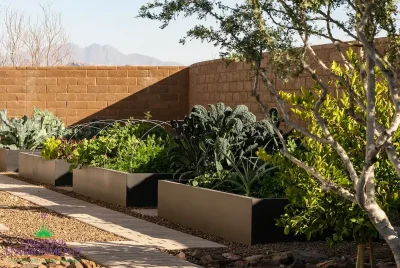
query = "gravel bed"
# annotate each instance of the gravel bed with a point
(336, 256)
(47, 261)
(24, 219)
(243, 251)
(125, 210)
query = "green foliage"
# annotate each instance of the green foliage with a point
(68, 150)
(246, 173)
(206, 137)
(51, 125)
(246, 177)
(121, 148)
(311, 210)
(212, 181)
(237, 30)
(141, 130)
(29, 132)
(50, 148)
(60, 148)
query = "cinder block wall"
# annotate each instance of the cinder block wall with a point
(212, 82)
(77, 94)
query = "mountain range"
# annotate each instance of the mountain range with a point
(96, 54)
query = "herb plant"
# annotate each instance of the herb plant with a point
(129, 148)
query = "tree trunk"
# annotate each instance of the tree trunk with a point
(371, 254)
(360, 256)
(382, 224)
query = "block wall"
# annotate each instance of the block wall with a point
(77, 94)
(212, 82)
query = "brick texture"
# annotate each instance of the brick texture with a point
(78, 94)
(212, 81)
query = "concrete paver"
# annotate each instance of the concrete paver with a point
(128, 254)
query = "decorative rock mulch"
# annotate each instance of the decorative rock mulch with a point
(45, 261)
(268, 256)
(24, 219)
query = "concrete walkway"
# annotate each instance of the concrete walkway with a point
(144, 237)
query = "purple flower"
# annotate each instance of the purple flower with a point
(43, 216)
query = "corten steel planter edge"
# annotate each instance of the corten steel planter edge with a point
(233, 217)
(9, 159)
(221, 214)
(116, 187)
(55, 172)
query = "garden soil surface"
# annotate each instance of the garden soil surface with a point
(238, 255)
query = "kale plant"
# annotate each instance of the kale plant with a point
(204, 138)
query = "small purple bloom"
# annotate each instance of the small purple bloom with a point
(43, 216)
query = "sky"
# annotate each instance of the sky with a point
(113, 23)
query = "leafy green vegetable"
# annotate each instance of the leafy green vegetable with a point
(29, 132)
(204, 138)
(130, 148)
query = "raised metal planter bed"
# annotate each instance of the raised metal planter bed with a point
(55, 172)
(236, 218)
(121, 188)
(9, 159)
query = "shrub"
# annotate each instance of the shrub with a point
(311, 209)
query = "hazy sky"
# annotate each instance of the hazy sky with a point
(114, 23)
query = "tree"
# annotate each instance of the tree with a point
(40, 42)
(311, 211)
(284, 29)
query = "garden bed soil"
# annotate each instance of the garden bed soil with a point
(55, 172)
(116, 187)
(9, 159)
(243, 251)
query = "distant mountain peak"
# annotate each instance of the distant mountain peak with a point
(96, 54)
